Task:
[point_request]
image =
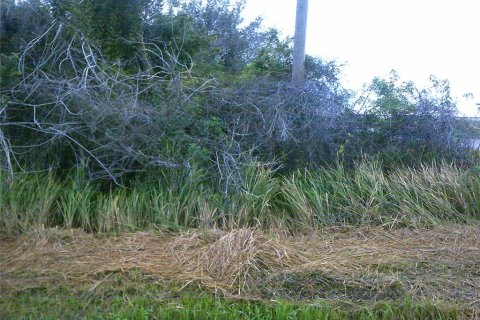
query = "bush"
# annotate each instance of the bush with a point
(195, 86)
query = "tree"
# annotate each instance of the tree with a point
(232, 44)
(116, 26)
(298, 66)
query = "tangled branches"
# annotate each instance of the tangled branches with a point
(72, 105)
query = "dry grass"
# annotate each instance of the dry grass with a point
(355, 266)
(215, 259)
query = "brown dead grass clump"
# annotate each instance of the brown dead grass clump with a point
(238, 257)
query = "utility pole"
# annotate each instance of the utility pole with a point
(298, 66)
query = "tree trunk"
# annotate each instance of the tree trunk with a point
(298, 66)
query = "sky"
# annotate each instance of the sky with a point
(417, 38)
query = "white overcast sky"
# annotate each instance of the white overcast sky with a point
(415, 37)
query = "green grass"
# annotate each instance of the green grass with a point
(30, 201)
(424, 196)
(151, 303)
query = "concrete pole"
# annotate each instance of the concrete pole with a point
(298, 66)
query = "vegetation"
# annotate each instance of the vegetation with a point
(141, 306)
(137, 133)
(155, 85)
(366, 273)
(426, 196)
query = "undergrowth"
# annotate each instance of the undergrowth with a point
(424, 196)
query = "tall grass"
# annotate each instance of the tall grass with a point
(30, 201)
(424, 196)
(255, 202)
(76, 202)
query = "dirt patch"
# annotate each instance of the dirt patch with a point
(361, 265)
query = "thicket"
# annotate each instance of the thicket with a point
(121, 91)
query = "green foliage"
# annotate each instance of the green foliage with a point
(220, 21)
(392, 99)
(404, 124)
(20, 22)
(130, 89)
(9, 74)
(274, 59)
(116, 25)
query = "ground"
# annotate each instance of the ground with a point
(346, 268)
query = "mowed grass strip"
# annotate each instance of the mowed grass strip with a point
(353, 268)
